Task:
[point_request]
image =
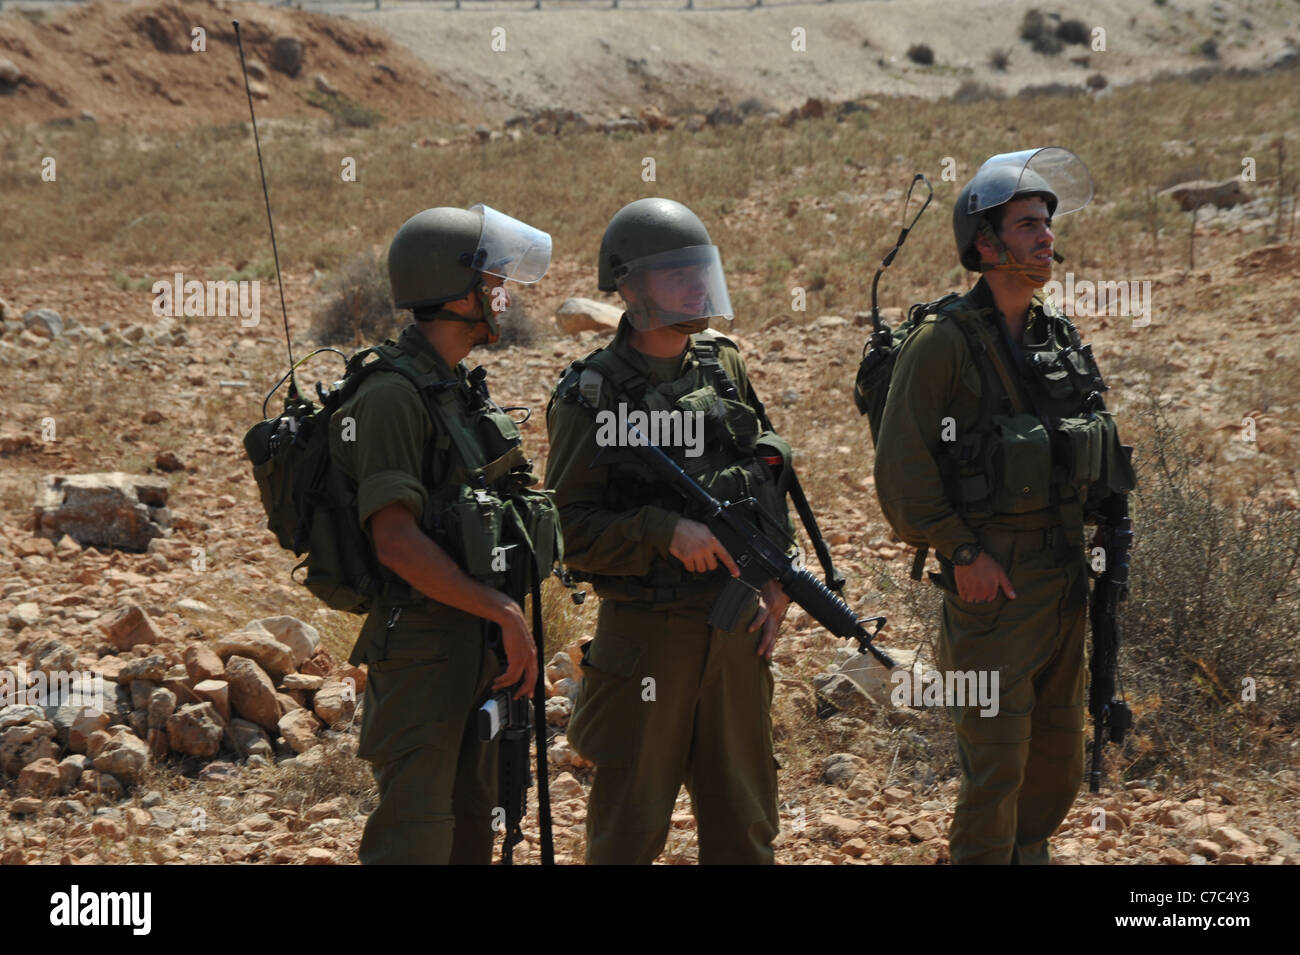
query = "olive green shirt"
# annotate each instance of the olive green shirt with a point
(935, 379)
(596, 540)
(391, 432)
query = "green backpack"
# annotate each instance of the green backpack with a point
(310, 504)
(871, 387)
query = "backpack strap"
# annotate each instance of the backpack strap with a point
(706, 353)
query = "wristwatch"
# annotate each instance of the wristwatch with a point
(966, 554)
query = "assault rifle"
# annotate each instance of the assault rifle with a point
(757, 557)
(1111, 718)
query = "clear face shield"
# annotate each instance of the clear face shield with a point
(509, 248)
(1002, 176)
(680, 285)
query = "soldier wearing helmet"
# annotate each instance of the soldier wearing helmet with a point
(666, 698)
(417, 444)
(993, 449)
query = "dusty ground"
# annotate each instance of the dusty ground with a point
(1219, 349)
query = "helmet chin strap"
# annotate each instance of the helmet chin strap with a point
(485, 313)
(1033, 274)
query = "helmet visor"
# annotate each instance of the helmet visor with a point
(680, 285)
(509, 248)
(1006, 174)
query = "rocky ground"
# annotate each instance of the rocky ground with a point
(229, 722)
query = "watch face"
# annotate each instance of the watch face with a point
(965, 554)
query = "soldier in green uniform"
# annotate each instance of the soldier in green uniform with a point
(667, 699)
(431, 472)
(992, 450)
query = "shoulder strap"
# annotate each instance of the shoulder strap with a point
(981, 342)
(706, 353)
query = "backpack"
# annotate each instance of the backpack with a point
(871, 387)
(310, 503)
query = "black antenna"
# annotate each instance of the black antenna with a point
(877, 338)
(275, 252)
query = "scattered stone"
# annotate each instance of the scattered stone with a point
(168, 461)
(87, 722)
(152, 668)
(301, 681)
(330, 809)
(252, 695)
(216, 692)
(196, 730)
(50, 655)
(566, 786)
(219, 772)
(924, 830)
(26, 805)
(1171, 856)
(1204, 847)
(1194, 194)
(24, 615)
(201, 663)
(44, 321)
(70, 770)
(41, 778)
(160, 707)
(841, 693)
(299, 730)
(247, 738)
(257, 644)
(839, 826)
(127, 626)
(302, 639)
(124, 756)
(584, 314)
(558, 711)
(26, 743)
(840, 769)
(105, 510)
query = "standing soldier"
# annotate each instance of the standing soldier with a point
(433, 467)
(666, 698)
(993, 449)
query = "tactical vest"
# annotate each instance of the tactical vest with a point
(480, 507)
(1012, 461)
(738, 460)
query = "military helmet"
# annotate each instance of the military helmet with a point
(439, 254)
(1056, 174)
(663, 236)
(644, 228)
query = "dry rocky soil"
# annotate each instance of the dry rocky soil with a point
(231, 717)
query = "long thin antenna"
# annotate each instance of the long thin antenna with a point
(275, 252)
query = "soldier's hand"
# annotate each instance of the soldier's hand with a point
(696, 547)
(521, 655)
(979, 582)
(772, 605)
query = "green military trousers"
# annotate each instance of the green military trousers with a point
(666, 699)
(437, 781)
(1021, 768)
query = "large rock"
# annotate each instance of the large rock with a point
(26, 614)
(127, 626)
(248, 739)
(125, 756)
(86, 723)
(252, 695)
(152, 668)
(44, 321)
(302, 639)
(299, 730)
(20, 745)
(872, 678)
(41, 778)
(216, 692)
(160, 707)
(20, 714)
(335, 703)
(104, 510)
(1201, 192)
(201, 663)
(50, 654)
(586, 314)
(841, 693)
(256, 643)
(196, 730)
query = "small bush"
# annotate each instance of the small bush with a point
(1074, 32)
(359, 304)
(1214, 609)
(1000, 59)
(973, 91)
(1209, 49)
(921, 54)
(346, 112)
(1037, 31)
(518, 327)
